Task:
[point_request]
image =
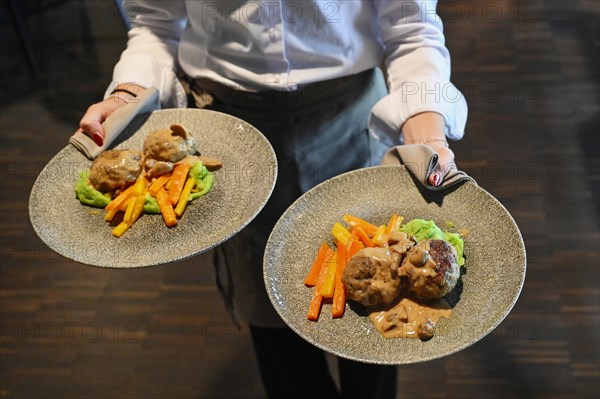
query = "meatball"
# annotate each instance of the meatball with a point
(430, 269)
(371, 276)
(115, 169)
(169, 146)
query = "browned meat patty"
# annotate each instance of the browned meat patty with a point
(165, 145)
(115, 169)
(371, 276)
(430, 269)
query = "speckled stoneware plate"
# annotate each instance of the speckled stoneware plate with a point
(242, 187)
(488, 289)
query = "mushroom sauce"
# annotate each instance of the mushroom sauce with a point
(410, 319)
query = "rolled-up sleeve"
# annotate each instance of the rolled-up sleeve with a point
(418, 68)
(150, 58)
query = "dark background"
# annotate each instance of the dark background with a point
(529, 70)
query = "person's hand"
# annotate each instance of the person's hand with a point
(91, 122)
(428, 128)
(445, 164)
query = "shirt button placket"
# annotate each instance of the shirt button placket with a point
(272, 32)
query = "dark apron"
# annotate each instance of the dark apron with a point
(317, 132)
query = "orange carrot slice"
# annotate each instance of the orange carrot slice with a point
(392, 224)
(166, 209)
(362, 236)
(354, 221)
(313, 275)
(177, 182)
(158, 183)
(185, 193)
(314, 309)
(352, 248)
(119, 199)
(339, 294)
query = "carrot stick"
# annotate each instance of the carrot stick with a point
(329, 281)
(314, 309)
(341, 258)
(352, 248)
(379, 238)
(177, 182)
(167, 185)
(119, 199)
(339, 300)
(313, 275)
(354, 221)
(138, 207)
(339, 294)
(340, 233)
(137, 189)
(120, 229)
(362, 236)
(110, 214)
(158, 183)
(166, 209)
(140, 185)
(391, 226)
(185, 193)
(125, 204)
(129, 210)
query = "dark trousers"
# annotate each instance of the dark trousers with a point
(290, 367)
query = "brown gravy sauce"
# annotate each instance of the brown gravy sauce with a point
(403, 319)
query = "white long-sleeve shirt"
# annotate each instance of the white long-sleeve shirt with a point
(280, 44)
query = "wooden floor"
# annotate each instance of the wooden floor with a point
(529, 70)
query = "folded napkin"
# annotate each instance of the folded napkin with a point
(421, 160)
(116, 122)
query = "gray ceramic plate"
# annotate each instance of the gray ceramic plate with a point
(242, 187)
(488, 289)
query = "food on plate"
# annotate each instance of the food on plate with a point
(400, 243)
(399, 272)
(410, 318)
(430, 269)
(427, 229)
(170, 145)
(128, 183)
(115, 169)
(371, 276)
